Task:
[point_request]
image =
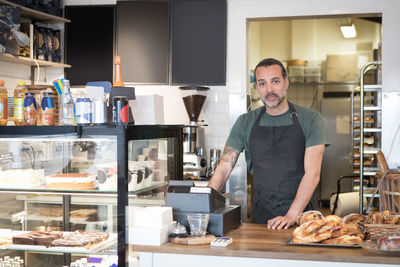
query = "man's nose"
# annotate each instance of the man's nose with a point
(269, 88)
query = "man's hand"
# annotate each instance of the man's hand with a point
(281, 222)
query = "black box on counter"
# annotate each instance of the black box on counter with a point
(185, 197)
(220, 222)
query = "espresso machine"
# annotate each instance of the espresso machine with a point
(194, 160)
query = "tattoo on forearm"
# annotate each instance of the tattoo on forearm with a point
(230, 155)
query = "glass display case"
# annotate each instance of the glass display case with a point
(65, 189)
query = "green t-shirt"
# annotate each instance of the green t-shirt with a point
(311, 122)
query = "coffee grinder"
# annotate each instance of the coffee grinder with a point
(194, 161)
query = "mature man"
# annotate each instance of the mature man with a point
(284, 145)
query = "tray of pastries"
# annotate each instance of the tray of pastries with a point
(56, 241)
(330, 231)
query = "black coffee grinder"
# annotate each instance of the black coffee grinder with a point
(194, 160)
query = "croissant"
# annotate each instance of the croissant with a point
(313, 231)
(344, 240)
(310, 215)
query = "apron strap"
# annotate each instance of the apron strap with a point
(293, 113)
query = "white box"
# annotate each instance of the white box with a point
(148, 236)
(151, 217)
(148, 109)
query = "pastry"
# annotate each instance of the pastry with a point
(335, 218)
(310, 215)
(313, 232)
(344, 240)
(391, 243)
(354, 218)
(71, 181)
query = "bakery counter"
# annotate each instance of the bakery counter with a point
(255, 245)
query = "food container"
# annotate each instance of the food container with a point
(298, 78)
(296, 62)
(296, 70)
(312, 70)
(312, 78)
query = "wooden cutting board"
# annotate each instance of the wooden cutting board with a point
(206, 240)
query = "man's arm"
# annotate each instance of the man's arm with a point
(312, 168)
(224, 168)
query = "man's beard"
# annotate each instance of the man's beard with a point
(273, 104)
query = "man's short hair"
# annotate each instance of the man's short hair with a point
(269, 62)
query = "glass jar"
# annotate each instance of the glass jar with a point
(3, 104)
(30, 109)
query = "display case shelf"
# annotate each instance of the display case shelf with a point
(35, 14)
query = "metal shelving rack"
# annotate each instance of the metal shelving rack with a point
(368, 125)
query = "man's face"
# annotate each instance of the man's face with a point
(271, 86)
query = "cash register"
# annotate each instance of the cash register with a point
(185, 198)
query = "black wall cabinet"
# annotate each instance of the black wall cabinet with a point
(160, 42)
(198, 31)
(89, 40)
(143, 41)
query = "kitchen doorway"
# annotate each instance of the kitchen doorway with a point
(311, 49)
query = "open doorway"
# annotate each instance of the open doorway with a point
(317, 56)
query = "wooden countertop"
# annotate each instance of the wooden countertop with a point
(256, 241)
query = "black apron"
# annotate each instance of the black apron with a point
(277, 153)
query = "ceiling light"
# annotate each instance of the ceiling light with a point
(348, 31)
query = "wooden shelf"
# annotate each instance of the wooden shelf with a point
(31, 62)
(35, 14)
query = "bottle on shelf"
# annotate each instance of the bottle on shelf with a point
(3, 104)
(30, 109)
(117, 79)
(19, 97)
(67, 105)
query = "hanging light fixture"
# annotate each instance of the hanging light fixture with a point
(347, 28)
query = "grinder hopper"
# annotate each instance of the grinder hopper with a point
(194, 97)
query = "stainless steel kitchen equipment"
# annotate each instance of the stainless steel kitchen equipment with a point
(336, 110)
(215, 155)
(194, 160)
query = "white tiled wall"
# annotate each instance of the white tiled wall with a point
(215, 113)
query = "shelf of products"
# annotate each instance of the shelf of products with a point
(35, 14)
(31, 62)
(81, 180)
(366, 123)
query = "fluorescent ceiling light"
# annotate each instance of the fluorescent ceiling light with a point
(348, 31)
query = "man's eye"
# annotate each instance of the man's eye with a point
(275, 82)
(261, 84)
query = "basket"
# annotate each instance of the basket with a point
(389, 190)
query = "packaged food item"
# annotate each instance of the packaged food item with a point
(49, 44)
(48, 109)
(19, 97)
(30, 109)
(35, 51)
(389, 243)
(3, 104)
(41, 43)
(56, 46)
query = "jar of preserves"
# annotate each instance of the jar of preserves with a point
(30, 109)
(47, 109)
(19, 97)
(3, 104)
